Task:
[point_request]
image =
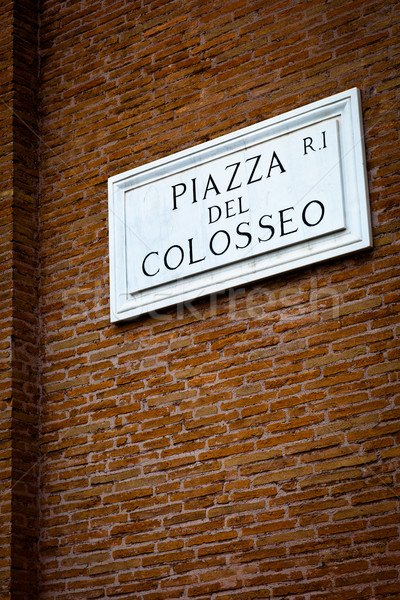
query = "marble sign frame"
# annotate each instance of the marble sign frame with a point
(150, 208)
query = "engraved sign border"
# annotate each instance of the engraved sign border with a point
(357, 235)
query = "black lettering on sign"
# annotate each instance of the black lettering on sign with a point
(211, 185)
(191, 260)
(175, 195)
(227, 241)
(251, 178)
(272, 165)
(235, 170)
(180, 257)
(304, 213)
(144, 268)
(307, 142)
(245, 233)
(264, 226)
(283, 221)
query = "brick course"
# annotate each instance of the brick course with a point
(240, 446)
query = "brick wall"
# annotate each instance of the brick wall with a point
(25, 364)
(5, 297)
(244, 446)
(19, 366)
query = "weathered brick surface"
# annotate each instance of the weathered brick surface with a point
(25, 424)
(19, 300)
(6, 252)
(240, 447)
